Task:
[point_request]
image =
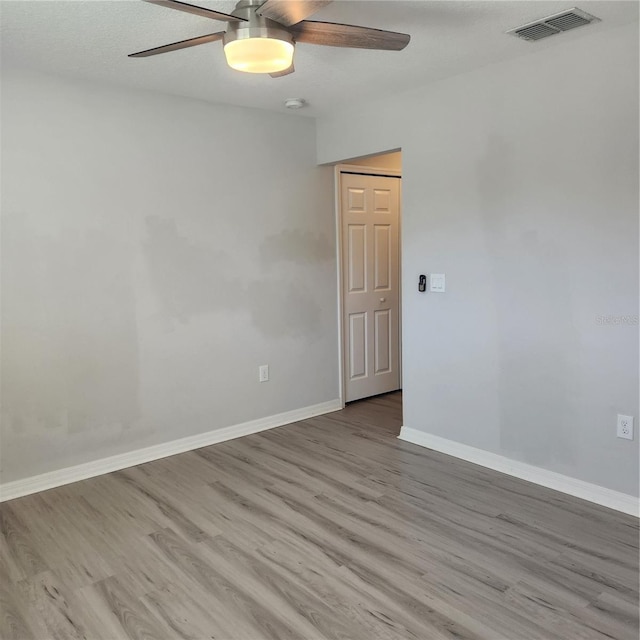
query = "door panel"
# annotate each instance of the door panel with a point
(382, 341)
(357, 200)
(382, 257)
(382, 200)
(370, 210)
(358, 345)
(357, 258)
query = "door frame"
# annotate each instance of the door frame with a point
(363, 170)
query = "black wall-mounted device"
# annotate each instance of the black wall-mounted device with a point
(422, 284)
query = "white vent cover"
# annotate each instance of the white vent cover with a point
(557, 23)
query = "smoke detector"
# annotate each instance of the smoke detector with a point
(557, 23)
(295, 103)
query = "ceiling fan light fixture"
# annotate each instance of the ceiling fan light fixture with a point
(261, 54)
(258, 45)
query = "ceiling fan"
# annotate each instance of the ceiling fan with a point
(261, 36)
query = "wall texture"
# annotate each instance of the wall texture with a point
(520, 182)
(155, 252)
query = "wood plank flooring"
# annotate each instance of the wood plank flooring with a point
(329, 528)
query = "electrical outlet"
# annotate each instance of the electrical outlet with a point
(625, 427)
(263, 373)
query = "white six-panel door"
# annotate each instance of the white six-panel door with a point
(370, 208)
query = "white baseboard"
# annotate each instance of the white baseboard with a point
(550, 479)
(24, 487)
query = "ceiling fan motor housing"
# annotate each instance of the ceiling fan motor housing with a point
(255, 26)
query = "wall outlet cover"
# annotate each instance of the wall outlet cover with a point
(625, 427)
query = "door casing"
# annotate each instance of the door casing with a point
(339, 170)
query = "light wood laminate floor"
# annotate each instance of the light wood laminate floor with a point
(329, 528)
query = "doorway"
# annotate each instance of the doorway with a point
(368, 228)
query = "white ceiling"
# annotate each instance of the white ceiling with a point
(91, 39)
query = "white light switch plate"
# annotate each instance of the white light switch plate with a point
(437, 283)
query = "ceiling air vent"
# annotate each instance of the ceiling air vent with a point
(557, 23)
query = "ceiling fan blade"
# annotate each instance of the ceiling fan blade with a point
(347, 35)
(198, 11)
(183, 44)
(286, 72)
(289, 12)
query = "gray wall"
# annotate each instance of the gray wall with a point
(520, 182)
(155, 251)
